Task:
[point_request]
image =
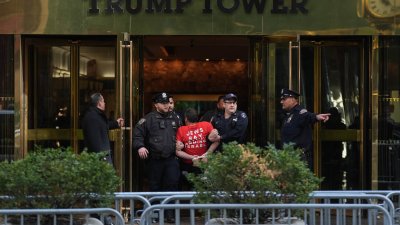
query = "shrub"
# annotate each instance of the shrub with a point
(249, 174)
(57, 178)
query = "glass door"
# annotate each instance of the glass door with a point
(386, 113)
(61, 73)
(332, 82)
(329, 74)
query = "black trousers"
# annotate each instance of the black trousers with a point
(186, 169)
(163, 174)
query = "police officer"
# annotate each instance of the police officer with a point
(231, 123)
(154, 140)
(172, 109)
(297, 123)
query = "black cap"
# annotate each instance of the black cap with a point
(230, 96)
(289, 93)
(162, 97)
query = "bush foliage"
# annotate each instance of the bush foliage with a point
(57, 178)
(249, 174)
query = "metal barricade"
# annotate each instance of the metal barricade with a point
(130, 211)
(126, 202)
(177, 200)
(73, 215)
(309, 214)
(391, 199)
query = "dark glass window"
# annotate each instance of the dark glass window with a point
(7, 131)
(389, 115)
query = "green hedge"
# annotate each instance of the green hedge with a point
(249, 174)
(57, 178)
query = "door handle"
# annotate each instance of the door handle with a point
(295, 45)
(126, 52)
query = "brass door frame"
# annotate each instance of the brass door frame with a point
(273, 132)
(129, 101)
(319, 134)
(73, 134)
(124, 90)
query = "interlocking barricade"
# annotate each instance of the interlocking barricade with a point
(132, 204)
(387, 198)
(58, 216)
(307, 214)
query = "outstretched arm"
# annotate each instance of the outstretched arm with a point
(323, 117)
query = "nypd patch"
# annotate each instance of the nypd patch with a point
(141, 121)
(303, 111)
(243, 115)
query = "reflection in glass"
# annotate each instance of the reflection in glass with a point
(6, 98)
(97, 74)
(340, 72)
(389, 115)
(50, 86)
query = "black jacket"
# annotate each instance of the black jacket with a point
(157, 133)
(95, 127)
(297, 127)
(232, 129)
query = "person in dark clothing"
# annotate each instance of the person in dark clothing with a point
(352, 166)
(332, 167)
(154, 138)
(95, 127)
(172, 110)
(297, 124)
(211, 113)
(230, 124)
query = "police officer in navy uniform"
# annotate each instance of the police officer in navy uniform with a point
(154, 140)
(297, 124)
(172, 109)
(231, 124)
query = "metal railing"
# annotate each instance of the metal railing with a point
(310, 214)
(57, 216)
(132, 204)
(389, 199)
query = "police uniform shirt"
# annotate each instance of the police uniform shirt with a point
(297, 127)
(157, 133)
(232, 129)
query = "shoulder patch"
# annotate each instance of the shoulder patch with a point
(303, 111)
(243, 115)
(141, 121)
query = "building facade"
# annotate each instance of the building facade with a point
(342, 57)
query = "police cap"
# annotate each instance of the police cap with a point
(230, 96)
(288, 93)
(162, 97)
